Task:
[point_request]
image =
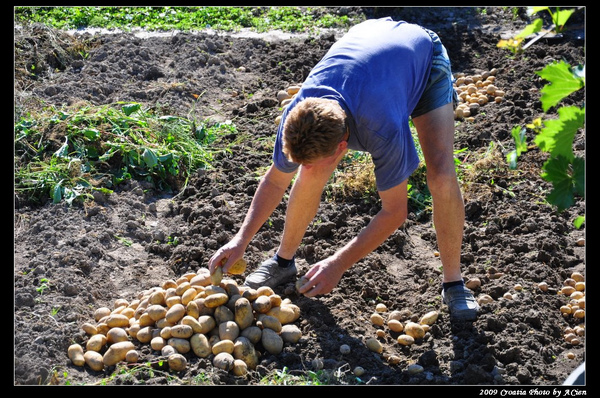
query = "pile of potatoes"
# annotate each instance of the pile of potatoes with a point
(475, 91)
(574, 289)
(285, 97)
(199, 314)
(410, 331)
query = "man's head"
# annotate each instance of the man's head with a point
(313, 130)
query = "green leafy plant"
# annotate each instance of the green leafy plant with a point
(563, 168)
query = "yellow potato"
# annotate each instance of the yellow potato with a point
(267, 321)
(229, 330)
(244, 350)
(116, 352)
(374, 345)
(202, 278)
(207, 323)
(89, 329)
(181, 345)
(200, 345)
(75, 353)
(224, 361)
(156, 312)
(101, 313)
(290, 333)
(222, 346)
(215, 300)
(175, 313)
(286, 313)
(240, 368)
(395, 325)
(271, 341)
(262, 304)
(216, 276)
(406, 340)
(243, 315)
(414, 330)
(177, 362)
(117, 321)
(144, 335)
(157, 343)
(238, 268)
(115, 335)
(94, 360)
(377, 319)
(132, 356)
(182, 331)
(96, 343)
(429, 318)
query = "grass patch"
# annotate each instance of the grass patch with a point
(67, 154)
(184, 18)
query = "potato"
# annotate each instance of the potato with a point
(215, 300)
(89, 329)
(133, 330)
(75, 354)
(117, 321)
(244, 350)
(262, 304)
(286, 313)
(157, 343)
(188, 295)
(243, 315)
(163, 323)
(252, 333)
(377, 319)
(283, 95)
(290, 333)
(156, 312)
(240, 368)
(115, 335)
(223, 314)
(169, 283)
(182, 331)
(275, 300)
(374, 345)
(222, 346)
(132, 356)
(101, 313)
(291, 90)
(192, 309)
(267, 321)
(229, 330)
(381, 307)
(93, 359)
(144, 335)
(250, 294)
(146, 320)
(157, 298)
(200, 346)
(174, 314)
(395, 325)
(182, 346)
(216, 276)
(429, 318)
(116, 352)
(414, 330)
(395, 315)
(238, 268)
(165, 333)
(202, 278)
(177, 362)
(301, 281)
(224, 361)
(96, 342)
(406, 340)
(271, 341)
(207, 323)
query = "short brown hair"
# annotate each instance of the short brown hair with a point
(312, 130)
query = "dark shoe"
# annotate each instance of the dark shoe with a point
(461, 303)
(269, 273)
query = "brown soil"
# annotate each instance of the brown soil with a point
(511, 235)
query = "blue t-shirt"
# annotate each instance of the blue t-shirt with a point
(377, 72)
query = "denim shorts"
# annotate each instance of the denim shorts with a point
(439, 90)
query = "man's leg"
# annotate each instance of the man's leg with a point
(303, 203)
(436, 136)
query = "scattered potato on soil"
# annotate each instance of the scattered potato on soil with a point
(75, 353)
(395, 325)
(429, 318)
(406, 340)
(374, 345)
(116, 353)
(414, 330)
